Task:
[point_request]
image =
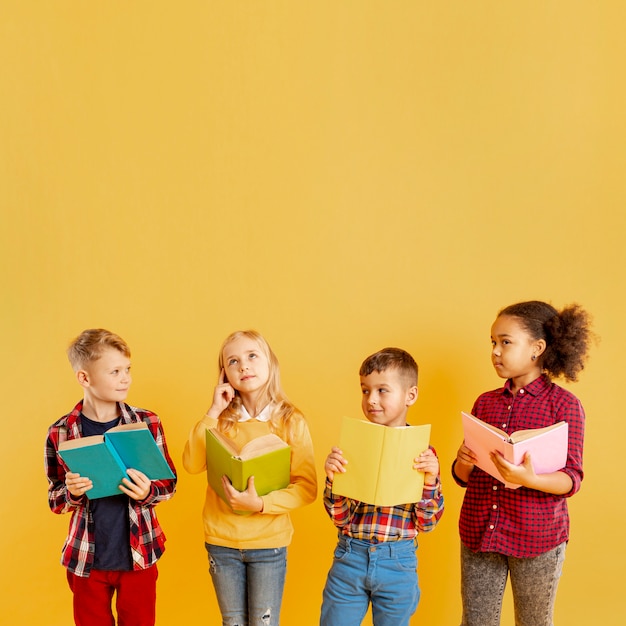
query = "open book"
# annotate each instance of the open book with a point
(267, 458)
(547, 446)
(380, 462)
(105, 458)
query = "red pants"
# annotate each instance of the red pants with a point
(134, 605)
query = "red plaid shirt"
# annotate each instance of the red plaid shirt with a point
(147, 540)
(522, 522)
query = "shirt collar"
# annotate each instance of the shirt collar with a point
(263, 416)
(534, 388)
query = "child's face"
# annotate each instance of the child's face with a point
(108, 378)
(245, 365)
(387, 397)
(513, 349)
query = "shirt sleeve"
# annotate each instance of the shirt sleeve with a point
(572, 412)
(302, 488)
(339, 508)
(160, 490)
(60, 500)
(194, 454)
(429, 509)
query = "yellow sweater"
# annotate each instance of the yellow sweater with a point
(272, 528)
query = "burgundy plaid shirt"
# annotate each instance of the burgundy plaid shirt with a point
(522, 522)
(147, 541)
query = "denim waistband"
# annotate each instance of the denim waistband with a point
(389, 547)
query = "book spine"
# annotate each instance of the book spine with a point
(115, 455)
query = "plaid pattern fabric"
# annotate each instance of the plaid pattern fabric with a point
(147, 540)
(522, 522)
(384, 523)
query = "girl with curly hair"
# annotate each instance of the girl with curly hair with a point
(523, 532)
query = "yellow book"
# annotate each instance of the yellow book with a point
(380, 462)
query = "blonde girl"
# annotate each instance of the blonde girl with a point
(247, 553)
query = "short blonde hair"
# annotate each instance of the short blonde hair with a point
(88, 346)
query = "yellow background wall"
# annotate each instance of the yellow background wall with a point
(341, 176)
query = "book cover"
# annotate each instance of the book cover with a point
(547, 446)
(267, 458)
(105, 458)
(380, 462)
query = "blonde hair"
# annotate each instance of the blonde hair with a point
(284, 414)
(88, 346)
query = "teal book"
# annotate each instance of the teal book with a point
(105, 458)
(267, 458)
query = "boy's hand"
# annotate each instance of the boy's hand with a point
(77, 485)
(222, 396)
(334, 463)
(428, 463)
(138, 487)
(248, 500)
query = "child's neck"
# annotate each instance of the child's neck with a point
(100, 411)
(254, 403)
(520, 382)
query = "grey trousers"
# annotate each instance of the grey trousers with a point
(533, 581)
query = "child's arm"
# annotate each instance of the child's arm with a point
(339, 508)
(194, 454)
(463, 465)
(60, 497)
(556, 483)
(429, 509)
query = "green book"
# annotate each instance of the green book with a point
(105, 458)
(380, 462)
(267, 458)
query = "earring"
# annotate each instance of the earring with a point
(534, 357)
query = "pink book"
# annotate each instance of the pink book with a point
(547, 446)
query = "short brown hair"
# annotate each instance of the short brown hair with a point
(88, 346)
(391, 358)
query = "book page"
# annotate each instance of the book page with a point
(522, 435)
(261, 445)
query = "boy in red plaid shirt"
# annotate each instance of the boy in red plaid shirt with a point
(113, 543)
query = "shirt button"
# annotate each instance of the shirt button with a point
(503, 425)
(494, 506)
(521, 391)
(495, 487)
(491, 526)
(508, 408)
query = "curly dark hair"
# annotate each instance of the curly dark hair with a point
(567, 334)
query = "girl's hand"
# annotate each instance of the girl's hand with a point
(248, 500)
(523, 474)
(222, 396)
(428, 463)
(138, 487)
(465, 457)
(334, 463)
(77, 485)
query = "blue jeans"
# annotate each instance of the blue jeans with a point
(384, 574)
(248, 584)
(533, 582)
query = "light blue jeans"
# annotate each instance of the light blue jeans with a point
(248, 584)
(533, 582)
(384, 574)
